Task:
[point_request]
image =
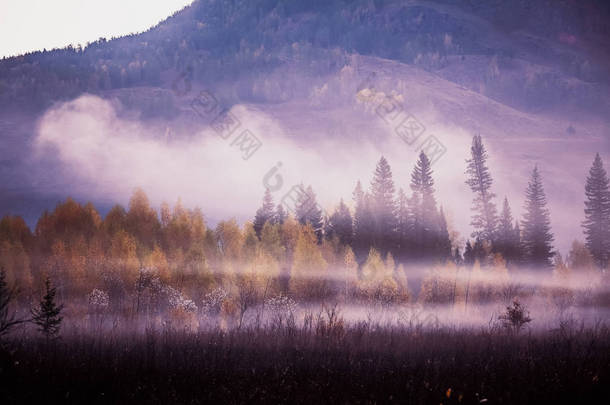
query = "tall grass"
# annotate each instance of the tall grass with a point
(317, 359)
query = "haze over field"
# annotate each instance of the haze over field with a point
(305, 201)
(294, 76)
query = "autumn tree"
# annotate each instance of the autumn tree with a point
(141, 220)
(308, 275)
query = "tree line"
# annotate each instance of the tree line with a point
(133, 256)
(414, 228)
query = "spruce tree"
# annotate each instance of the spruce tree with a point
(363, 223)
(537, 237)
(469, 254)
(517, 244)
(597, 213)
(425, 214)
(308, 212)
(340, 225)
(444, 241)
(47, 316)
(384, 207)
(479, 179)
(280, 214)
(504, 243)
(264, 213)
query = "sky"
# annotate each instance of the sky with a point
(30, 25)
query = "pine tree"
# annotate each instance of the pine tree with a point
(47, 316)
(517, 244)
(363, 223)
(479, 179)
(505, 241)
(443, 241)
(537, 237)
(457, 257)
(384, 207)
(478, 251)
(425, 214)
(308, 212)
(597, 213)
(340, 225)
(280, 214)
(264, 213)
(469, 254)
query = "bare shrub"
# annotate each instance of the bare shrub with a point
(515, 317)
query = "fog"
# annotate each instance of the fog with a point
(328, 131)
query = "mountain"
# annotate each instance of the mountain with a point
(530, 76)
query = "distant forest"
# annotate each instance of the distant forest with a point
(212, 41)
(368, 252)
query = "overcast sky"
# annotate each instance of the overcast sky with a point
(29, 25)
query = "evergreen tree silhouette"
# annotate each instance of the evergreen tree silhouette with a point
(469, 254)
(537, 237)
(443, 250)
(505, 242)
(264, 214)
(340, 225)
(423, 206)
(47, 316)
(384, 208)
(363, 223)
(280, 214)
(484, 219)
(308, 212)
(597, 213)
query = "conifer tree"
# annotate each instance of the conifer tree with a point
(425, 215)
(308, 212)
(516, 243)
(384, 207)
(363, 223)
(47, 316)
(469, 254)
(443, 241)
(340, 225)
(479, 179)
(265, 213)
(505, 236)
(597, 213)
(280, 214)
(537, 237)
(457, 257)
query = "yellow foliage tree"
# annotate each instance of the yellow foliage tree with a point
(308, 278)
(377, 281)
